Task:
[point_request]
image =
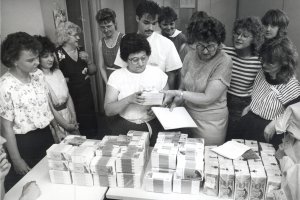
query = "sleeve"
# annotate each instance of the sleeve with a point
(173, 60)
(164, 79)
(290, 92)
(6, 105)
(62, 77)
(222, 71)
(118, 61)
(114, 80)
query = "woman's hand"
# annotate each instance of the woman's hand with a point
(172, 98)
(84, 56)
(4, 165)
(245, 111)
(20, 166)
(60, 135)
(269, 131)
(72, 127)
(31, 191)
(136, 98)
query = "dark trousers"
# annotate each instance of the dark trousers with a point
(32, 147)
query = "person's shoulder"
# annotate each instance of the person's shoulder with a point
(162, 38)
(181, 36)
(154, 69)
(5, 81)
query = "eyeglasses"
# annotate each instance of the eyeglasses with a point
(210, 47)
(135, 60)
(242, 34)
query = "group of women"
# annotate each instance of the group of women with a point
(230, 92)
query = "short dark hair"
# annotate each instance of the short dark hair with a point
(207, 29)
(198, 15)
(276, 17)
(14, 43)
(133, 43)
(106, 15)
(255, 27)
(47, 47)
(167, 14)
(283, 51)
(149, 7)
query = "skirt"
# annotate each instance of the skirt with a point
(212, 125)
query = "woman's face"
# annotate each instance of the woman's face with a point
(167, 28)
(73, 39)
(108, 29)
(206, 51)
(271, 31)
(137, 62)
(47, 60)
(242, 39)
(271, 68)
(28, 61)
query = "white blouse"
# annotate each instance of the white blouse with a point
(25, 104)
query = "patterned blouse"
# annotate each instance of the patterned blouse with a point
(25, 104)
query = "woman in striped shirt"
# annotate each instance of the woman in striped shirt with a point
(247, 38)
(275, 88)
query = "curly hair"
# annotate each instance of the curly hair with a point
(285, 53)
(64, 30)
(198, 15)
(106, 15)
(167, 14)
(14, 43)
(207, 29)
(147, 7)
(255, 27)
(48, 47)
(276, 17)
(134, 43)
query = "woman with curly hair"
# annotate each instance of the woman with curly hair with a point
(275, 88)
(76, 66)
(247, 39)
(276, 23)
(205, 78)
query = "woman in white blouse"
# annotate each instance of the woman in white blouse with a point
(24, 106)
(61, 101)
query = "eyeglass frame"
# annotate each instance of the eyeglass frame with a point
(142, 58)
(207, 47)
(242, 34)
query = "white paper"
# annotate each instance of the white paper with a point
(177, 118)
(231, 149)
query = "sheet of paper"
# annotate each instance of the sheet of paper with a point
(177, 118)
(231, 149)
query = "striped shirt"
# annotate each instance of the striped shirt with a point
(244, 71)
(269, 101)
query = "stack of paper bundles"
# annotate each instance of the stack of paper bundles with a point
(186, 186)
(129, 180)
(190, 169)
(158, 182)
(130, 162)
(104, 171)
(242, 141)
(258, 184)
(58, 156)
(240, 163)
(92, 143)
(242, 183)
(75, 140)
(224, 161)
(266, 148)
(168, 137)
(252, 144)
(80, 165)
(209, 155)
(141, 136)
(123, 140)
(164, 155)
(269, 160)
(183, 138)
(254, 163)
(108, 150)
(273, 182)
(279, 195)
(211, 179)
(152, 97)
(226, 181)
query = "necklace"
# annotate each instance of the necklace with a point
(110, 43)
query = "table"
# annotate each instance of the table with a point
(50, 191)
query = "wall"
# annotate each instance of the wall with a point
(47, 7)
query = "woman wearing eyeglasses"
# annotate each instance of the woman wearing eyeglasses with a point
(205, 78)
(123, 98)
(248, 36)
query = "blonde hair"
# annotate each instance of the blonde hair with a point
(64, 30)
